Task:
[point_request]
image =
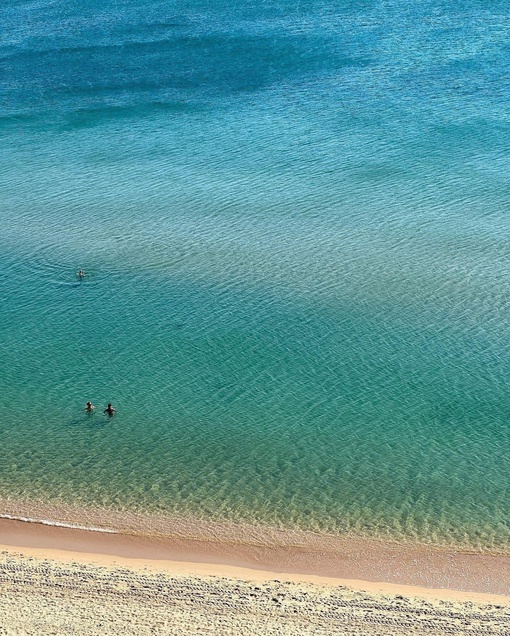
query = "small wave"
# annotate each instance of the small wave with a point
(59, 524)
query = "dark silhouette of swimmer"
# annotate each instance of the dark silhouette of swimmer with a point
(81, 274)
(109, 410)
(89, 407)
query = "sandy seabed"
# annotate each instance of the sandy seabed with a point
(41, 596)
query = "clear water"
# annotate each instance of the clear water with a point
(294, 219)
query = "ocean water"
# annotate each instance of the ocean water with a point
(294, 218)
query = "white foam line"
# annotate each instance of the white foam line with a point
(58, 524)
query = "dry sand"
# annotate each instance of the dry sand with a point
(39, 597)
(65, 581)
(256, 552)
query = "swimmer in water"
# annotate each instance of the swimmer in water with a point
(109, 410)
(89, 407)
(81, 274)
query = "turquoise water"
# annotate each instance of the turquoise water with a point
(294, 219)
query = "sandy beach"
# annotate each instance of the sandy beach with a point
(40, 596)
(57, 580)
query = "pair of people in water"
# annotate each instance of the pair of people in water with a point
(109, 410)
(81, 274)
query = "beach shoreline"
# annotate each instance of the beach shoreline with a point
(146, 575)
(372, 566)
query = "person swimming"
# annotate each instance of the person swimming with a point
(89, 407)
(109, 410)
(81, 274)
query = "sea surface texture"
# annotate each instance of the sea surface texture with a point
(294, 219)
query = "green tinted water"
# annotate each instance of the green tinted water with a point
(297, 254)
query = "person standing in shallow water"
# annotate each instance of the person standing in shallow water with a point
(109, 410)
(81, 274)
(89, 407)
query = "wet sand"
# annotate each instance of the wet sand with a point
(57, 580)
(362, 563)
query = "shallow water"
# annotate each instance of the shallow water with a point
(294, 223)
